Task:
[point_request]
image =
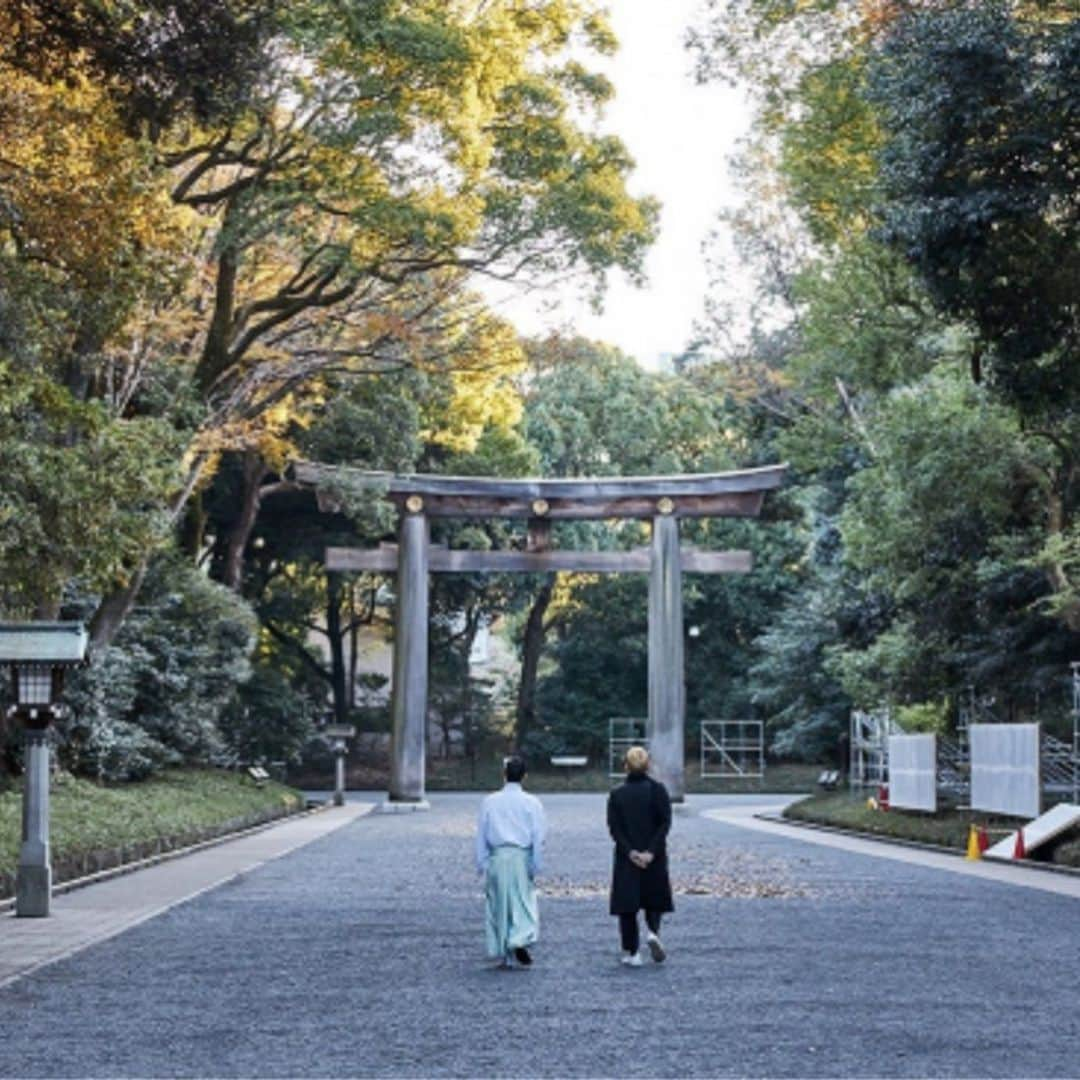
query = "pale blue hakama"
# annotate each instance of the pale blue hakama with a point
(513, 918)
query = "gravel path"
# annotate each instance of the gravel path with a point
(362, 955)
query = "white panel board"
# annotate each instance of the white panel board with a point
(1053, 823)
(1005, 777)
(913, 772)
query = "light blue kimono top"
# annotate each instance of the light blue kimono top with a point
(511, 817)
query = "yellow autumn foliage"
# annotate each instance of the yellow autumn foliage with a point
(81, 196)
(484, 391)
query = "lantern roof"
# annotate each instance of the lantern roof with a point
(56, 643)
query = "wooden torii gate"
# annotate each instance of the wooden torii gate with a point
(661, 499)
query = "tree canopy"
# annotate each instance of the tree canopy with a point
(919, 366)
(215, 218)
(238, 232)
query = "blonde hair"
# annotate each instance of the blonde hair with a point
(636, 759)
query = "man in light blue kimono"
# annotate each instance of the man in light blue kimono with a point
(509, 855)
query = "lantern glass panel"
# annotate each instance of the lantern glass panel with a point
(35, 685)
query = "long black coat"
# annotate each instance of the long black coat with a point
(639, 817)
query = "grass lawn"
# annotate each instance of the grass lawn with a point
(456, 774)
(949, 827)
(94, 827)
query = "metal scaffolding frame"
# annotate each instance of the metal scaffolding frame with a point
(869, 746)
(954, 764)
(870, 731)
(624, 732)
(732, 748)
(1059, 765)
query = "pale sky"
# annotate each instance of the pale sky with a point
(681, 136)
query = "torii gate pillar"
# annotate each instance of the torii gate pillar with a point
(667, 678)
(408, 708)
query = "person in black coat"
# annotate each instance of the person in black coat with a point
(639, 818)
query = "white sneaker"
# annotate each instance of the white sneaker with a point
(631, 959)
(656, 947)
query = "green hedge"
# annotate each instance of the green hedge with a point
(947, 828)
(458, 774)
(95, 828)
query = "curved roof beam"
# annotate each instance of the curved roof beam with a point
(738, 493)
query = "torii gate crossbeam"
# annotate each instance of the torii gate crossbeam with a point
(663, 499)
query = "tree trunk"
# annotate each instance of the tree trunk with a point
(336, 639)
(254, 472)
(48, 610)
(532, 647)
(114, 608)
(192, 533)
(354, 644)
(215, 356)
(1056, 574)
(473, 619)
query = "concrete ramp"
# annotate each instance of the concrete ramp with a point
(1051, 824)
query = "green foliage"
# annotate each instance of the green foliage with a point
(160, 58)
(297, 201)
(237, 229)
(924, 385)
(180, 807)
(866, 322)
(599, 664)
(373, 423)
(593, 411)
(979, 172)
(827, 152)
(926, 716)
(154, 699)
(274, 713)
(790, 679)
(947, 477)
(79, 493)
(210, 261)
(732, 611)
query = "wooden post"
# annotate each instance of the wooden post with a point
(667, 689)
(409, 702)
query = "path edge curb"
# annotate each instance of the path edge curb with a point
(74, 950)
(99, 876)
(897, 841)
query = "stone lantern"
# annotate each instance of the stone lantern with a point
(339, 734)
(38, 654)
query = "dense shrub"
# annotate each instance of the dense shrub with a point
(272, 717)
(155, 697)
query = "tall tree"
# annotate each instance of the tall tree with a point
(158, 59)
(979, 177)
(592, 410)
(334, 206)
(923, 151)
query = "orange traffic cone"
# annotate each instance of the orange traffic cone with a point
(984, 839)
(973, 851)
(1020, 852)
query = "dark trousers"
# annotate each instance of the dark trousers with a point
(628, 929)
